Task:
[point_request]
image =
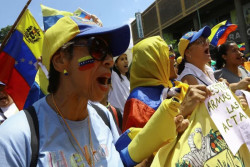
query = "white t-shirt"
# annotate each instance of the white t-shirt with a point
(119, 92)
(204, 79)
(55, 148)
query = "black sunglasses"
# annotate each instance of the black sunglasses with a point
(97, 48)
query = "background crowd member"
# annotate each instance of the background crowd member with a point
(228, 60)
(116, 113)
(78, 56)
(150, 96)
(194, 49)
(150, 86)
(7, 106)
(120, 82)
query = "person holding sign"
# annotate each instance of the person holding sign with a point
(204, 143)
(193, 70)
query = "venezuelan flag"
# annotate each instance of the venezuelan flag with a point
(83, 14)
(39, 87)
(50, 16)
(18, 58)
(242, 46)
(220, 32)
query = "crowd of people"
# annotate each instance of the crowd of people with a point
(101, 111)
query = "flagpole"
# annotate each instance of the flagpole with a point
(14, 26)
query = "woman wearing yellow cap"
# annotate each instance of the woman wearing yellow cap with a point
(194, 49)
(78, 55)
(202, 143)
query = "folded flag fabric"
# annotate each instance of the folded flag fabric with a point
(39, 88)
(83, 14)
(51, 16)
(19, 56)
(242, 46)
(220, 32)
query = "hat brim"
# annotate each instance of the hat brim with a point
(205, 32)
(119, 37)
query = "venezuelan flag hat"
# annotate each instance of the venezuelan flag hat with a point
(70, 27)
(190, 37)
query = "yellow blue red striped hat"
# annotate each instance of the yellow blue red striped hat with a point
(70, 27)
(190, 37)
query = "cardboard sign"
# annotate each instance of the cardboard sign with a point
(227, 115)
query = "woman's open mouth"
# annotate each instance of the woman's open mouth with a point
(104, 82)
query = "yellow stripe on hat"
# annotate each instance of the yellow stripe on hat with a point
(63, 31)
(182, 46)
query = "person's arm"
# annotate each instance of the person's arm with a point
(160, 129)
(242, 84)
(190, 80)
(195, 94)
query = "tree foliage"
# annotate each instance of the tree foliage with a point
(3, 32)
(171, 41)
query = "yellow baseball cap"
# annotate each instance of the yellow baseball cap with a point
(190, 37)
(70, 27)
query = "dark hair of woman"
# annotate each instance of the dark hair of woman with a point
(127, 74)
(181, 66)
(54, 75)
(219, 51)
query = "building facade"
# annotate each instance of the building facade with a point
(172, 18)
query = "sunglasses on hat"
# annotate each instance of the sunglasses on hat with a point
(97, 47)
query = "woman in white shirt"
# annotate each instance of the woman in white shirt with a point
(120, 83)
(194, 49)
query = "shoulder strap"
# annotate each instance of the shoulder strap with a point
(101, 113)
(114, 114)
(34, 129)
(118, 115)
(197, 78)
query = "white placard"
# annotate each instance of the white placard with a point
(227, 115)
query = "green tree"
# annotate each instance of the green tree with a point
(3, 32)
(170, 41)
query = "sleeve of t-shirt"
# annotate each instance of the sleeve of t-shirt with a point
(15, 141)
(218, 74)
